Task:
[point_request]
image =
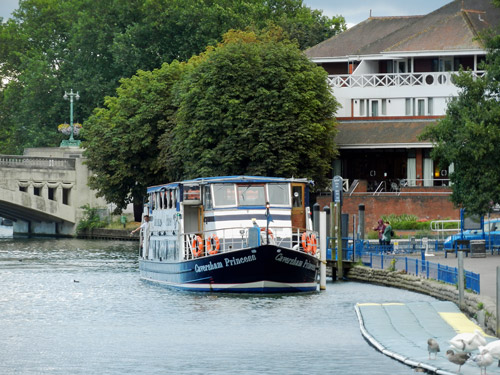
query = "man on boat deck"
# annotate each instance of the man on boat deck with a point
(144, 228)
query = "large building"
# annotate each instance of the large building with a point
(393, 77)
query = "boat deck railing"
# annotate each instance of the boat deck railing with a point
(211, 242)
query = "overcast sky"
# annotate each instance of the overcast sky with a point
(353, 12)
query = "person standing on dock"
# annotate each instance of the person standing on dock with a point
(387, 233)
(380, 229)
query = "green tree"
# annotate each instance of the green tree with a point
(121, 140)
(254, 105)
(469, 135)
(50, 46)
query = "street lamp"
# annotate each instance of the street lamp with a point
(71, 142)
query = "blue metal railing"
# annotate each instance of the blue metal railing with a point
(386, 257)
(422, 268)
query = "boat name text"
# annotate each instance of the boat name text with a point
(295, 262)
(228, 263)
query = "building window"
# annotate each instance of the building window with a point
(374, 112)
(421, 107)
(23, 188)
(430, 104)
(36, 191)
(408, 110)
(384, 107)
(51, 194)
(362, 107)
(65, 196)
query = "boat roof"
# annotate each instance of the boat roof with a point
(226, 179)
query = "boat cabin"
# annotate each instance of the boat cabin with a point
(201, 216)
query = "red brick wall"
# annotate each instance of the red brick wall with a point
(423, 206)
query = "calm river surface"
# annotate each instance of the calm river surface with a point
(78, 307)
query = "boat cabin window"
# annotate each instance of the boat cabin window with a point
(164, 195)
(279, 194)
(251, 195)
(207, 197)
(224, 195)
(173, 199)
(191, 193)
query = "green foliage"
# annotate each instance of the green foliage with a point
(122, 140)
(50, 46)
(406, 222)
(392, 266)
(254, 105)
(90, 220)
(469, 136)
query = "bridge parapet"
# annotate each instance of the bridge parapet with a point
(16, 161)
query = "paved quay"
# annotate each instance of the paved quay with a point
(401, 330)
(486, 267)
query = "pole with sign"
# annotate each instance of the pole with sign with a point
(337, 184)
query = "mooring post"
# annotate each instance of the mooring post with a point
(328, 220)
(332, 238)
(322, 249)
(460, 279)
(361, 223)
(340, 253)
(316, 217)
(498, 301)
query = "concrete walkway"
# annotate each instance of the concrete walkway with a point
(401, 331)
(486, 267)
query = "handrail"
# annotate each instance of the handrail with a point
(379, 188)
(438, 226)
(236, 238)
(16, 161)
(394, 79)
(353, 187)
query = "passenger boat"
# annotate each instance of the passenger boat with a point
(231, 234)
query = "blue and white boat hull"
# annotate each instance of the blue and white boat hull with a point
(264, 269)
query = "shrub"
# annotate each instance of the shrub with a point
(90, 220)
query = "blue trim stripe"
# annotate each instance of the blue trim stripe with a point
(249, 217)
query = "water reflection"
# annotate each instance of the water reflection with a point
(78, 307)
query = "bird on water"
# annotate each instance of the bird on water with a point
(432, 347)
(483, 360)
(457, 358)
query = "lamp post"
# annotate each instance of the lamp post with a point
(71, 142)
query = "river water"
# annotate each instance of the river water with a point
(79, 307)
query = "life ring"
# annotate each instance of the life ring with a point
(216, 244)
(309, 243)
(303, 240)
(312, 244)
(197, 246)
(269, 231)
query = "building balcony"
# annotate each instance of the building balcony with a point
(380, 80)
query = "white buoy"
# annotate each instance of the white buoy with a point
(322, 249)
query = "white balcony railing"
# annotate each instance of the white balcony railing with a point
(394, 79)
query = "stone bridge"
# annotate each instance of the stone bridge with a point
(43, 190)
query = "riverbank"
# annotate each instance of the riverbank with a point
(479, 307)
(108, 234)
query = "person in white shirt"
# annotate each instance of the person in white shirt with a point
(144, 228)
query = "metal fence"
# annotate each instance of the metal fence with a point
(392, 257)
(422, 268)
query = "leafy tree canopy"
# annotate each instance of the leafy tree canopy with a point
(121, 140)
(50, 46)
(254, 104)
(469, 135)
